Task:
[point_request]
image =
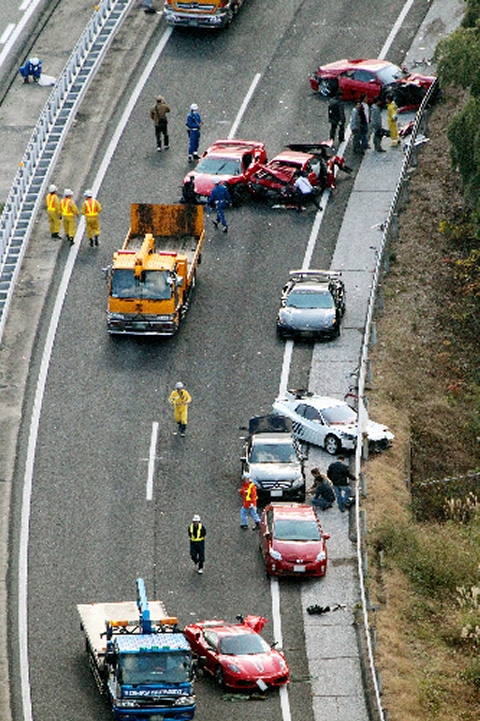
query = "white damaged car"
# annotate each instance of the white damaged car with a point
(328, 422)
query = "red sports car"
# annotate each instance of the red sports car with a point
(233, 161)
(274, 181)
(292, 541)
(353, 78)
(236, 655)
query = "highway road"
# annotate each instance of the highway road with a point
(92, 528)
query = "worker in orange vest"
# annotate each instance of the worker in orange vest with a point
(90, 209)
(69, 211)
(52, 202)
(248, 491)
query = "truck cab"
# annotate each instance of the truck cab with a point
(201, 13)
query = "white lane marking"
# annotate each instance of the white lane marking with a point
(287, 359)
(277, 636)
(244, 105)
(40, 391)
(6, 33)
(151, 460)
(398, 24)
(18, 29)
(24, 5)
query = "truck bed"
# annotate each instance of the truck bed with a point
(94, 616)
(168, 244)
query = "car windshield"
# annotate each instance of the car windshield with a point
(343, 415)
(219, 166)
(390, 73)
(146, 668)
(244, 644)
(273, 453)
(310, 299)
(153, 284)
(296, 530)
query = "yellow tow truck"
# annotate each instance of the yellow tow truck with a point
(153, 275)
(201, 13)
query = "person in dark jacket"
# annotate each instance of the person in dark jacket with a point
(339, 474)
(324, 495)
(376, 124)
(159, 116)
(196, 534)
(194, 123)
(336, 118)
(220, 199)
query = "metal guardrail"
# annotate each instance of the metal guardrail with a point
(390, 230)
(29, 186)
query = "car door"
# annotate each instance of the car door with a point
(208, 644)
(309, 425)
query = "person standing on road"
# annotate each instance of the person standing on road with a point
(303, 192)
(324, 495)
(52, 202)
(392, 111)
(376, 124)
(180, 398)
(90, 209)
(339, 474)
(69, 211)
(196, 534)
(194, 123)
(336, 117)
(158, 113)
(248, 491)
(220, 199)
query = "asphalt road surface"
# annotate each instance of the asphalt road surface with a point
(92, 529)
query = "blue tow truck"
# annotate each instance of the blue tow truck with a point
(139, 659)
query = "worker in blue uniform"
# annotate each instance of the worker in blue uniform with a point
(31, 69)
(220, 199)
(194, 123)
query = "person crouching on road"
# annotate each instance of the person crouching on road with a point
(220, 199)
(303, 192)
(52, 202)
(180, 398)
(69, 212)
(196, 534)
(248, 491)
(90, 209)
(324, 495)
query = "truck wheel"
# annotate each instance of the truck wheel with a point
(332, 445)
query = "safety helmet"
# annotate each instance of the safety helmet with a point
(178, 385)
(52, 188)
(216, 181)
(196, 518)
(88, 194)
(194, 106)
(68, 191)
(34, 61)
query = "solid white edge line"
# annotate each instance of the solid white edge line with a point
(20, 26)
(39, 394)
(278, 637)
(6, 33)
(244, 105)
(151, 460)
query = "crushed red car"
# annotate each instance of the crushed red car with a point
(236, 655)
(233, 161)
(292, 541)
(354, 78)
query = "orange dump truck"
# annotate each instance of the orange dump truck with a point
(152, 277)
(201, 13)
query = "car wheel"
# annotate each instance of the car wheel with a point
(219, 677)
(332, 445)
(326, 88)
(239, 194)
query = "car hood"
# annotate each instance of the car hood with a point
(274, 471)
(257, 665)
(307, 318)
(306, 551)
(204, 181)
(378, 432)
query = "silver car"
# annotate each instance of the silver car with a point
(312, 305)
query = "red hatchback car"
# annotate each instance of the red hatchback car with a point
(292, 541)
(233, 161)
(353, 78)
(236, 655)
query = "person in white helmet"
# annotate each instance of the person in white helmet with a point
(180, 398)
(69, 212)
(90, 209)
(194, 123)
(52, 202)
(196, 534)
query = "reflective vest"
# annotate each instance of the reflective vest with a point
(52, 200)
(66, 206)
(249, 492)
(90, 207)
(196, 534)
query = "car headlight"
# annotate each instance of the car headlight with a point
(321, 556)
(231, 667)
(185, 701)
(298, 482)
(275, 554)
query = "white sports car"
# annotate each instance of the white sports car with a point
(328, 422)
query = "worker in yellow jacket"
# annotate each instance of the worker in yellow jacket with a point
(180, 398)
(52, 201)
(90, 209)
(69, 212)
(392, 111)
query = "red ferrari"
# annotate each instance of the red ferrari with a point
(233, 161)
(354, 78)
(236, 655)
(292, 541)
